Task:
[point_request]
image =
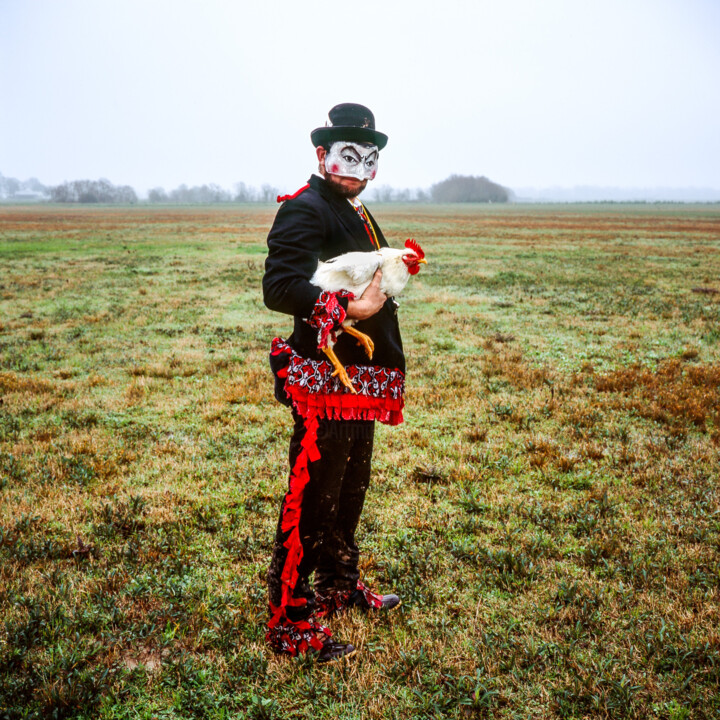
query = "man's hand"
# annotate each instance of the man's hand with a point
(369, 302)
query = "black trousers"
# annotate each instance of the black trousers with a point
(330, 508)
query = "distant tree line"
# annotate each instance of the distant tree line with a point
(202, 194)
(92, 191)
(455, 189)
(389, 194)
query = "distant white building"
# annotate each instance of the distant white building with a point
(27, 196)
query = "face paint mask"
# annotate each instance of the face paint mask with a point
(352, 160)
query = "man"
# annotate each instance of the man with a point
(331, 445)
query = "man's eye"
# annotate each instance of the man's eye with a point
(349, 159)
(370, 163)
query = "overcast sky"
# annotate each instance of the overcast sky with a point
(528, 93)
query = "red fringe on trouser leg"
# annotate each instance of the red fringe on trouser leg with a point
(285, 635)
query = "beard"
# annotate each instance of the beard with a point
(335, 182)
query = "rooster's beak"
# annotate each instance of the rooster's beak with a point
(423, 261)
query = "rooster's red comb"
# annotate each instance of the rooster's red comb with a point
(410, 244)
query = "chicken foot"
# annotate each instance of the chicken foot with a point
(363, 339)
(339, 369)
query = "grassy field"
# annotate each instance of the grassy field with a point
(548, 512)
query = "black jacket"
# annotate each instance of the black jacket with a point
(317, 225)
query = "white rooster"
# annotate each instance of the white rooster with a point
(353, 272)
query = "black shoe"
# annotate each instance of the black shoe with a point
(338, 601)
(359, 599)
(333, 651)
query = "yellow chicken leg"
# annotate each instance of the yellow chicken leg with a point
(339, 369)
(364, 339)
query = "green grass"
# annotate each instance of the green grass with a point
(548, 511)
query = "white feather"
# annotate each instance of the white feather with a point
(354, 271)
(347, 272)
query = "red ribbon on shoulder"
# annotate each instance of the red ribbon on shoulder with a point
(283, 198)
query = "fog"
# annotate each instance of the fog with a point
(530, 94)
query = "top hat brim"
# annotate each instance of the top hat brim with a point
(326, 135)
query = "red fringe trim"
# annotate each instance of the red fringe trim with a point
(292, 509)
(283, 198)
(340, 405)
(299, 478)
(346, 406)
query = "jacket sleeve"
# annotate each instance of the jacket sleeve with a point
(294, 245)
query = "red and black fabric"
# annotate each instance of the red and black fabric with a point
(329, 602)
(327, 316)
(330, 475)
(295, 638)
(308, 385)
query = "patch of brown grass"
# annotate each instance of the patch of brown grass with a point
(174, 367)
(11, 382)
(673, 392)
(509, 364)
(566, 463)
(135, 392)
(593, 451)
(540, 452)
(251, 387)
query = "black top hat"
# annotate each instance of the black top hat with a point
(352, 122)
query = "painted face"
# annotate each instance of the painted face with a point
(352, 160)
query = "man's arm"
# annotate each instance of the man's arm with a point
(294, 245)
